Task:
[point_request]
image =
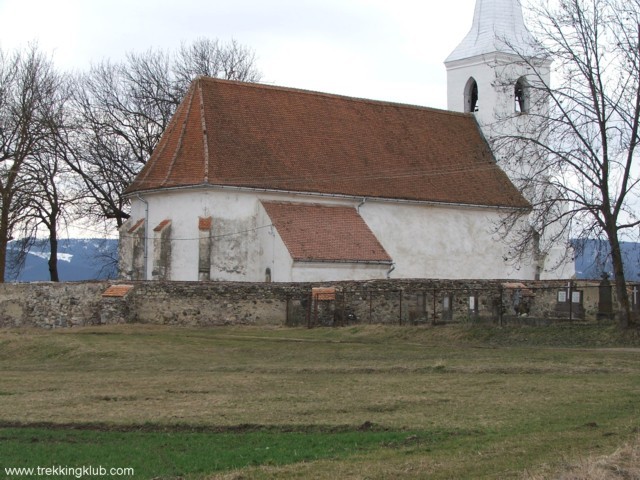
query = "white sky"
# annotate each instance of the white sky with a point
(381, 49)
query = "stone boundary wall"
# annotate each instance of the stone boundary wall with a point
(51, 305)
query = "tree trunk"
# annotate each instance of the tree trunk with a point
(624, 310)
(53, 255)
(3, 253)
(4, 236)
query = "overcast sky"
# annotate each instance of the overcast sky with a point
(381, 49)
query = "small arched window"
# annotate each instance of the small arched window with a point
(521, 94)
(471, 96)
(267, 275)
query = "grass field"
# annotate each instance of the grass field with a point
(449, 402)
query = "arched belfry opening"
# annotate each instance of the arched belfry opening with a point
(521, 95)
(471, 96)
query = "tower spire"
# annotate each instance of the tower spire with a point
(498, 26)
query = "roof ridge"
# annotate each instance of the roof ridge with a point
(181, 137)
(205, 138)
(304, 204)
(162, 145)
(331, 95)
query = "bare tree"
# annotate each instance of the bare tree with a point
(54, 152)
(122, 109)
(579, 164)
(28, 85)
(114, 132)
(51, 198)
(210, 58)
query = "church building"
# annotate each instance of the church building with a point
(251, 182)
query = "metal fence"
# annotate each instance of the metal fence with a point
(501, 304)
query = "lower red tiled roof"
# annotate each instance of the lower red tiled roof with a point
(325, 233)
(258, 136)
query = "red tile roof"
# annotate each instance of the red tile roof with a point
(258, 136)
(325, 233)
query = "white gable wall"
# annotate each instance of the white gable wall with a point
(424, 241)
(327, 272)
(427, 241)
(273, 252)
(234, 256)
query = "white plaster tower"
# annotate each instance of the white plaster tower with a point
(494, 73)
(489, 60)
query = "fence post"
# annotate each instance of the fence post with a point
(309, 309)
(400, 322)
(434, 320)
(500, 305)
(570, 302)
(344, 307)
(287, 320)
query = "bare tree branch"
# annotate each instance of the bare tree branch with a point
(578, 165)
(122, 109)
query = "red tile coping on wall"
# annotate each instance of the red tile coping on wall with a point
(204, 223)
(527, 292)
(136, 226)
(162, 225)
(117, 290)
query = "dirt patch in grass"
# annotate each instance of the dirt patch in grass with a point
(623, 464)
(183, 428)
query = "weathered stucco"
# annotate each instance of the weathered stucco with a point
(424, 240)
(132, 250)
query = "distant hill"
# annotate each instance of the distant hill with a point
(78, 259)
(593, 257)
(96, 259)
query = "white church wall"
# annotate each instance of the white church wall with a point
(559, 264)
(424, 241)
(273, 252)
(442, 242)
(234, 239)
(326, 272)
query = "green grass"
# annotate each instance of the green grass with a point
(177, 453)
(356, 402)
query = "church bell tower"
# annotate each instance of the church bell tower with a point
(487, 72)
(496, 73)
